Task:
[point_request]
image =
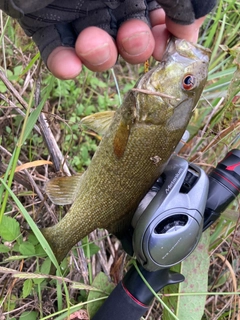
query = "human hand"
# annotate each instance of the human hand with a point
(74, 33)
(135, 42)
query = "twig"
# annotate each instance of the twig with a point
(158, 94)
(150, 310)
(17, 176)
(52, 146)
(83, 263)
(18, 110)
(50, 141)
(12, 89)
(19, 308)
(215, 109)
(102, 252)
(12, 44)
(28, 79)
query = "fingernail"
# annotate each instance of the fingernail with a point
(97, 56)
(137, 43)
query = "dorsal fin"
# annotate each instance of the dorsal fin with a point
(63, 190)
(99, 122)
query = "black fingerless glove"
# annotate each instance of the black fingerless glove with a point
(18, 8)
(186, 11)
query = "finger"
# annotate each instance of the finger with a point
(157, 17)
(161, 36)
(96, 49)
(160, 32)
(187, 32)
(135, 41)
(64, 63)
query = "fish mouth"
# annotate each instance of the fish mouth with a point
(187, 49)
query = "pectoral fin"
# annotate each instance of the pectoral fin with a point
(63, 190)
(121, 139)
(99, 122)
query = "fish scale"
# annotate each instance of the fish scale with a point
(136, 146)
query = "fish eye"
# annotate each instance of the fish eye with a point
(188, 82)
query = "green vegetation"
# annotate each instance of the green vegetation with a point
(28, 96)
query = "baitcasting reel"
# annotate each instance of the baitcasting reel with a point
(182, 203)
(170, 226)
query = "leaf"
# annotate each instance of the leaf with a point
(4, 249)
(27, 287)
(93, 248)
(101, 281)
(3, 88)
(90, 249)
(195, 269)
(32, 238)
(9, 229)
(31, 63)
(35, 113)
(27, 249)
(10, 304)
(40, 252)
(32, 315)
(32, 164)
(46, 266)
(38, 280)
(15, 258)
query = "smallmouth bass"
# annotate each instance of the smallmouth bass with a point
(138, 140)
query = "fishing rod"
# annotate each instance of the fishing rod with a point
(167, 227)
